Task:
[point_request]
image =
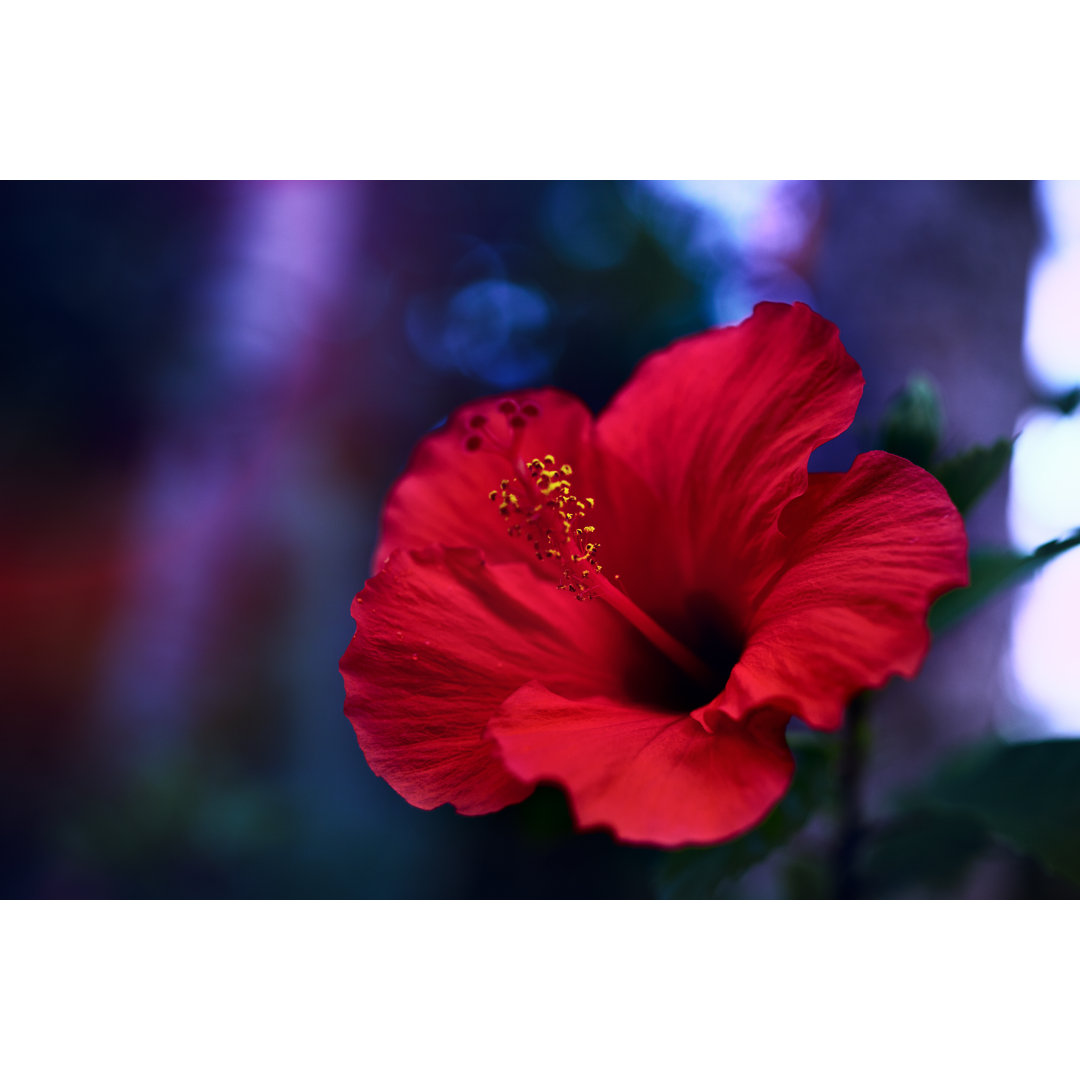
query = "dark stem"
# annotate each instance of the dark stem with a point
(849, 835)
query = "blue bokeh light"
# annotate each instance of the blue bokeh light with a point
(493, 330)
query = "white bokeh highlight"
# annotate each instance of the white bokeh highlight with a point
(1044, 499)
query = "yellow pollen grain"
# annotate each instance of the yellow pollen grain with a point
(555, 525)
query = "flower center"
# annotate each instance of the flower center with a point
(539, 506)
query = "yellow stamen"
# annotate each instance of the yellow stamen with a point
(541, 500)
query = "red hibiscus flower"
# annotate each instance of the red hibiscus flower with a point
(634, 606)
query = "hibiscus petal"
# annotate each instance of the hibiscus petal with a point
(721, 427)
(871, 549)
(441, 640)
(651, 777)
(442, 497)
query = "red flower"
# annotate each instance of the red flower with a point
(724, 588)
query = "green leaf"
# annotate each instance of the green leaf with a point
(924, 847)
(992, 571)
(913, 421)
(970, 475)
(1026, 794)
(1068, 401)
(544, 817)
(696, 873)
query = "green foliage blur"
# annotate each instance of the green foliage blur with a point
(213, 387)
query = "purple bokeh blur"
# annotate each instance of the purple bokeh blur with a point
(217, 384)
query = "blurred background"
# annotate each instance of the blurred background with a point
(209, 389)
